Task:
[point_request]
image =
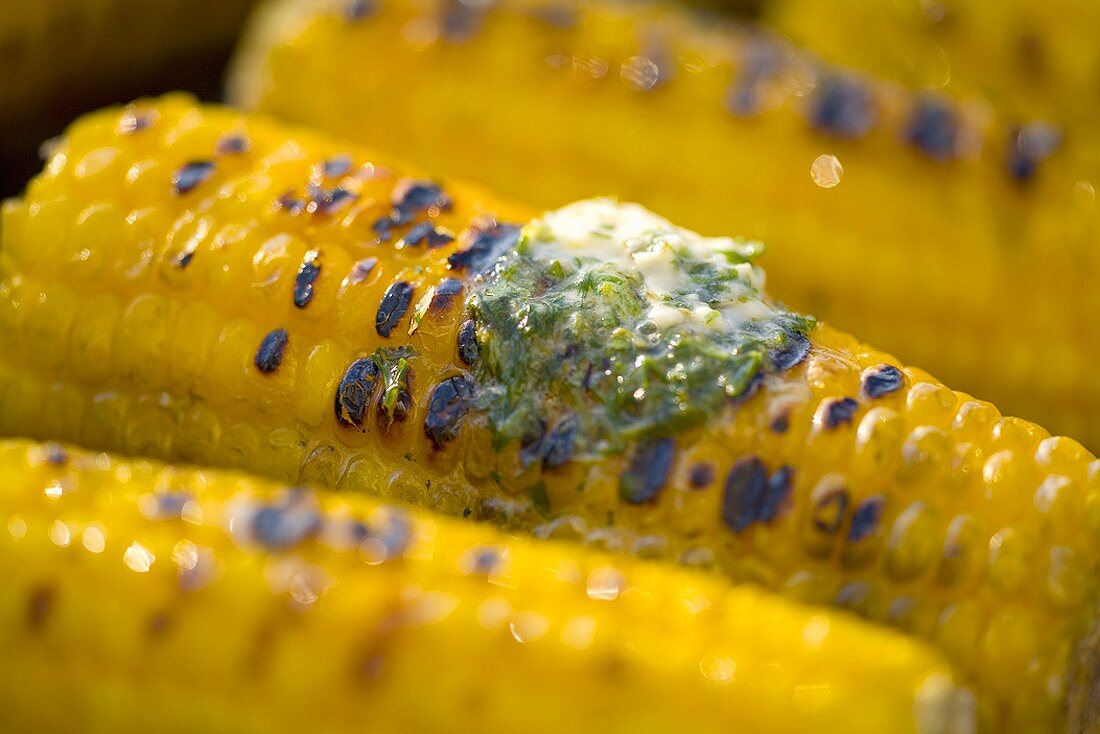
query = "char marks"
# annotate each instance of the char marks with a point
(450, 402)
(486, 245)
(354, 393)
(395, 304)
(882, 380)
(308, 273)
(647, 473)
(750, 496)
(191, 175)
(270, 354)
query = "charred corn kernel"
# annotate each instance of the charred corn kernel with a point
(961, 235)
(1032, 61)
(147, 598)
(809, 463)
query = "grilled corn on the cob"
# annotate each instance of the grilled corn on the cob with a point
(960, 240)
(145, 598)
(1032, 59)
(192, 283)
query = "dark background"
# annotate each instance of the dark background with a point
(62, 58)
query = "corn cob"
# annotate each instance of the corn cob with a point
(63, 57)
(193, 283)
(147, 598)
(960, 241)
(1033, 60)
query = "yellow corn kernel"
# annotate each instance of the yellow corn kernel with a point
(153, 599)
(930, 245)
(896, 497)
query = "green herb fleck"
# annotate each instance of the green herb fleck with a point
(539, 498)
(393, 365)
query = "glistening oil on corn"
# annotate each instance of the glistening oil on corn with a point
(609, 324)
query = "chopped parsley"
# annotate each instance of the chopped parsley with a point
(563, 333)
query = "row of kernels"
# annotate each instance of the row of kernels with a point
(201, 355)
(180, 258)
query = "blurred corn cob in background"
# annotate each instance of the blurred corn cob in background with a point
(960, 239)
(61, 58)
(157, 599)
(1031, 59)
(192, 283)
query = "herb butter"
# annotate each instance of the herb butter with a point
(613, 322)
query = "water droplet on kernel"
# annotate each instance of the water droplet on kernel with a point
(60, 534)
(138, 558)
(579, 632)
(605, 583)
(826, 171)
(17, 526)
(718, 668)
(815, 632)
(529, 626)
(54, 489)
(639, 73)
(185, 554)
(94, 539)
(303, 589)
